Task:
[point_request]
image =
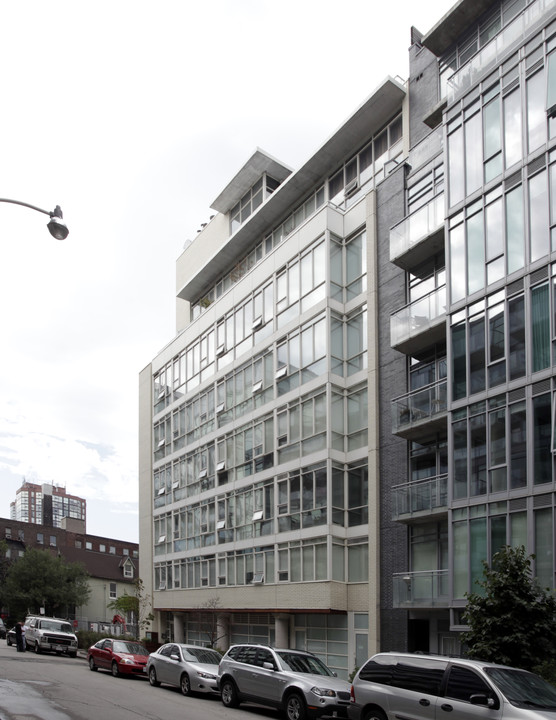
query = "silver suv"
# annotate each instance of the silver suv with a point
(294, 681)
(54, 634)
(429, 687)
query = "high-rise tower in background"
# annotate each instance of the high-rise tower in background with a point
(46, 504)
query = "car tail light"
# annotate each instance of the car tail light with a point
(352, 695)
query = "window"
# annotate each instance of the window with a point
(358, 562)
(348, 267)
(128, 570)
(112, 550)
(379, 670)
(113, 591)
(102, 547)
(367, 165)
(251, 200)
(53, 541)
(420, 675)
(463, 683)
(88, 545)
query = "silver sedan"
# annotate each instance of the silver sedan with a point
(189, 667)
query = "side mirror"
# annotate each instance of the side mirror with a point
(481, 699)
(175, 657)
(268, 666)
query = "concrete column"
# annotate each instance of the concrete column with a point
(223, 631)
(179, 627)
(282, 630)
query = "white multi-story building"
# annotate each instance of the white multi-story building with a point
(257, 421)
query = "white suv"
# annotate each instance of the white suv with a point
(294, 681)
(53, 634)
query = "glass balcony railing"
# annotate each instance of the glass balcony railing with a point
(417, 227)
(492, 53)
(428, 588)
(419, 405)
(420, 496)
(417, 317)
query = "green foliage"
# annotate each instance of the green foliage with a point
(138, 604)
(512, 621)
(125, 603)
(40, 579)
(547, 670)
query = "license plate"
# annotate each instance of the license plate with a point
(144, 669)
(59, 647)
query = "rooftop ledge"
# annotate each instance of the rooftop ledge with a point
(368, 119)
(259, 163)
(453, 24)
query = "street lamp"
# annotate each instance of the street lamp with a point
(57, 227)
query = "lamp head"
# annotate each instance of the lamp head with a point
(56, 225)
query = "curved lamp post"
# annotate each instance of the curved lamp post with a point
(57, 227)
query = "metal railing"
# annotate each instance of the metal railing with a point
(416, 227)
(492, 53)
(428, 588)
(420, 496)
(418, 316)
(422, 404)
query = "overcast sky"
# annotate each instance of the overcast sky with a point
(133, 116)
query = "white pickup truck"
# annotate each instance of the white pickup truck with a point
(50, 634)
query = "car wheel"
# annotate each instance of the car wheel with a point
(152, 677)
(72, 655)
(37, 648)
(185, 684)
(374, 714)
(92, 665)
(228, 693)
(295, 707)
(8, 640)
(115, 671)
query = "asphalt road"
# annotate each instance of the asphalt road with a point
(50, 687)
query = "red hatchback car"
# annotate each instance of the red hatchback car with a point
(121, 657)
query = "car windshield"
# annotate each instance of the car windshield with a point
(522, 688)
(56, 626)
(201, 655)
(132, 648)
(303, 663)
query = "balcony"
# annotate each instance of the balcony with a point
(419, 236)
(420, 324)
(497, 49)
(422, 497)
(422, 413)
(425, 589)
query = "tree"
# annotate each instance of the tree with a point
(138, 604)
(206, 618)
(512, 621)
(40, 580)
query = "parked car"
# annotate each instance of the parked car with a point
(10, 637)
(190, 667)
(121, 657)
(2, 630)
(294, 681)
(50, 634)
(396, 685)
